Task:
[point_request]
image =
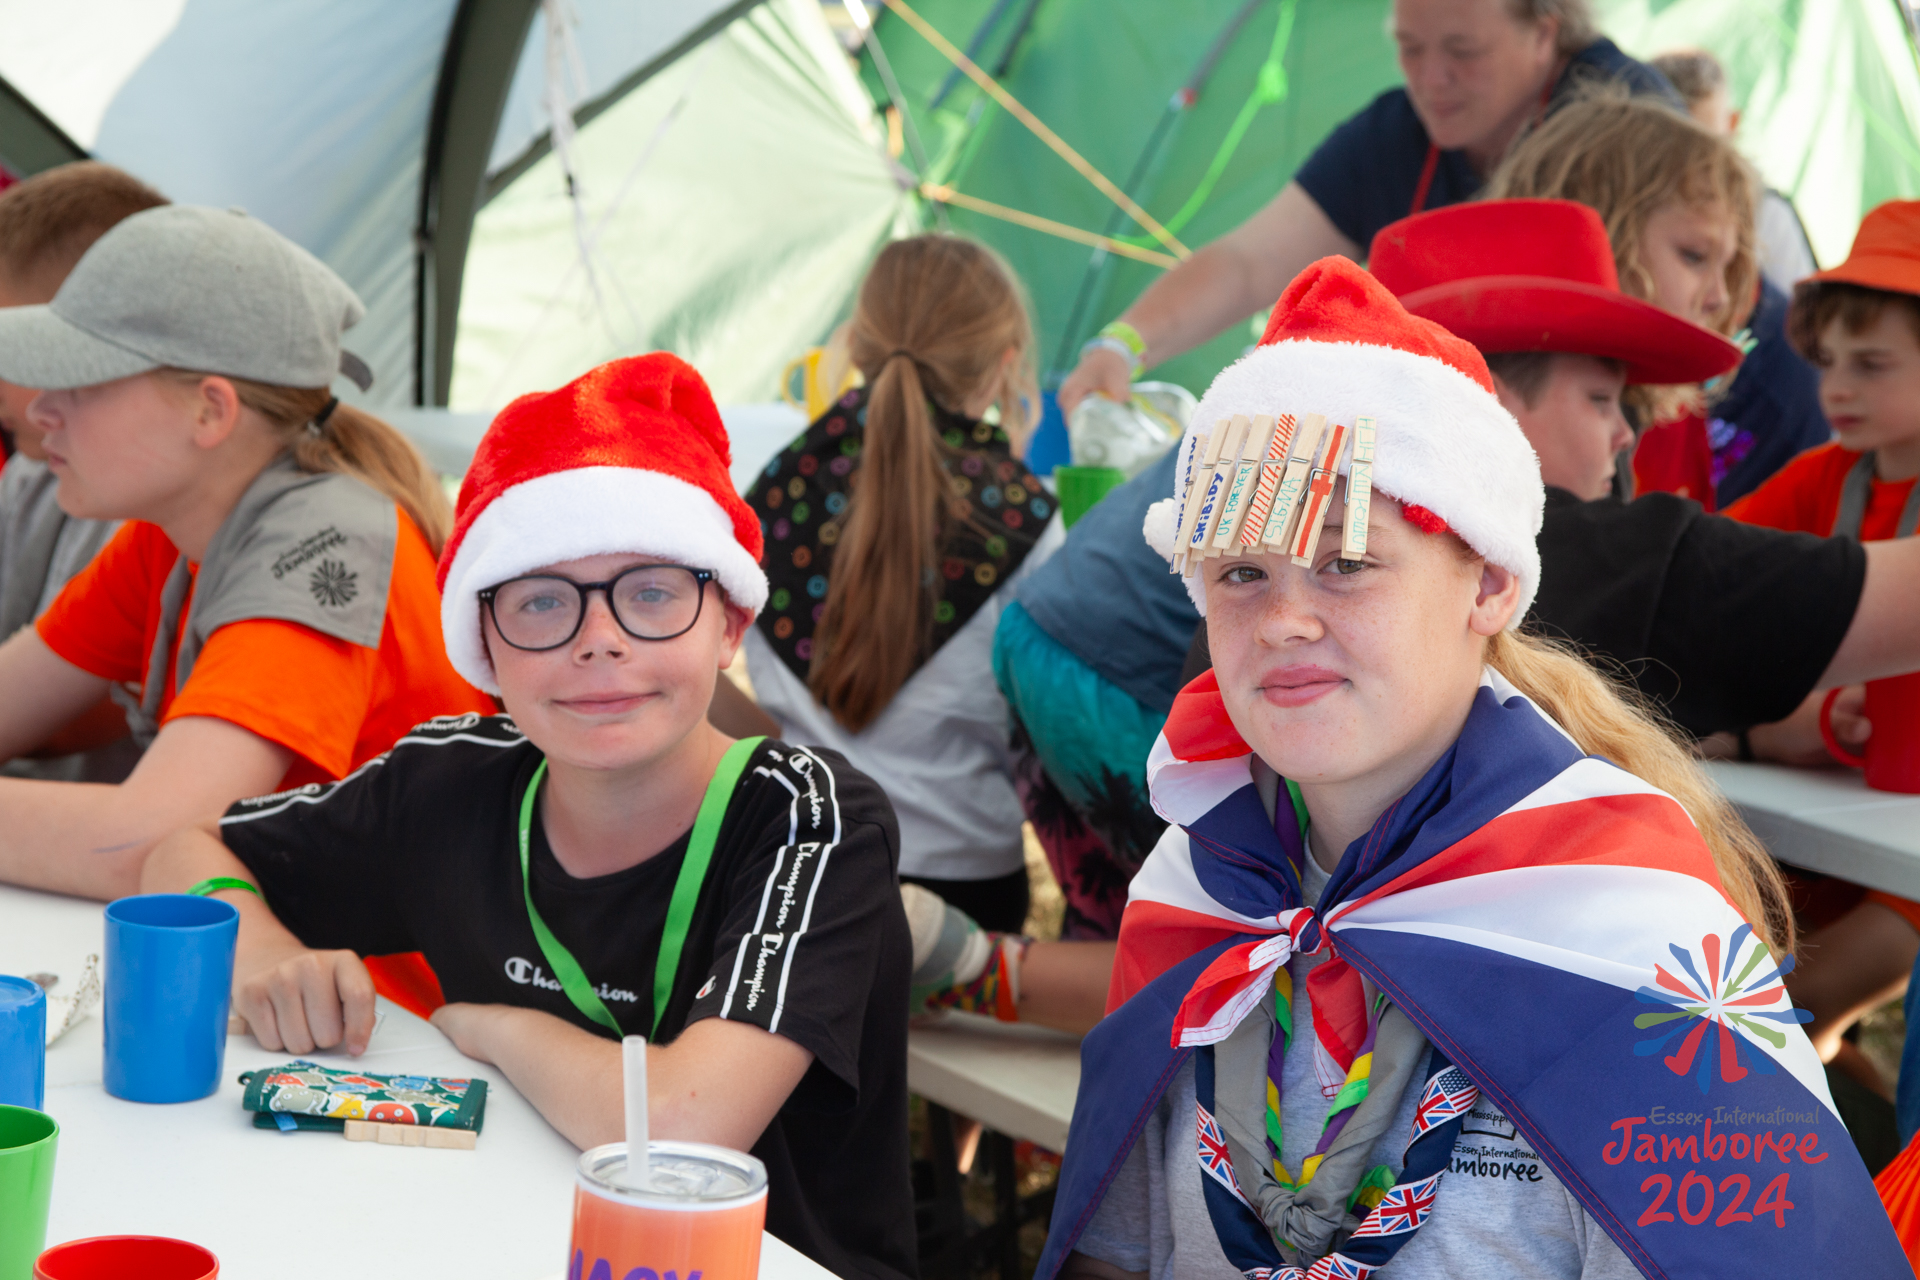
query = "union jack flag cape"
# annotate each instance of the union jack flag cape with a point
(1557, 930)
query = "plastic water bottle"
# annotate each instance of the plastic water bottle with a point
(1130, 436)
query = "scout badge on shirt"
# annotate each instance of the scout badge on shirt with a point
(1261, 483)
(399, 1110)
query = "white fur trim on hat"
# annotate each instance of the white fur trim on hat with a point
(588, 511)
(1441, 441)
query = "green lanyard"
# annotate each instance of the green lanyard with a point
(686, 892)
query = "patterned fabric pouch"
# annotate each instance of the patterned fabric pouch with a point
(303, 1095)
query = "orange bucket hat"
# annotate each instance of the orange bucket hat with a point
(1886, 251)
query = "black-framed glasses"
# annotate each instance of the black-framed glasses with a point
(649, 601)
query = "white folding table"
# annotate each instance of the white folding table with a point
(298, 1205)
(1829, 820)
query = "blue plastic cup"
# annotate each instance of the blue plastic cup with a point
(169, 979)
(23, 1044)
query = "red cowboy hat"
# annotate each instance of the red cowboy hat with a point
(1538, 275)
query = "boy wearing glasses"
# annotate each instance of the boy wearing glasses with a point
(601, 860)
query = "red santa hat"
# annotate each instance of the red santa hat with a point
(630, 457)
(1340, 344)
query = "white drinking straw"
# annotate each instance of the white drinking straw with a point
(633, 1061)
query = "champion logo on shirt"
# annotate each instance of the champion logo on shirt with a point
(757, 985)
(527, 973)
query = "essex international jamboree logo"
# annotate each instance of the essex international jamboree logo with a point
(1715, 1005)
(1721, 1004)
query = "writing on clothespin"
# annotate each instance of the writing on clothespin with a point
(1189, 450)
(1293, 482)
(1206, 449)
(1353, 534)
(1273, 465)
(1313, 506)
(1215, 474)
(1245, 481)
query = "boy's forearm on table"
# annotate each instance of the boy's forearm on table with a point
(697, 1090)
(571, 1076)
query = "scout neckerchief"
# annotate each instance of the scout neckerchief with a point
(1556, 929)
(1254, 1204)
(1353, 1063)
(803, 491)
(1856, 492)
(686, 892)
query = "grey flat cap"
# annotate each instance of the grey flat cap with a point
(187, 287)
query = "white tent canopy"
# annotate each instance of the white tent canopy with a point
(371, 132)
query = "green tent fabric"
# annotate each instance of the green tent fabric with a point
(739, 238)
(1830, 88)
(732, 201)
(1104, 74)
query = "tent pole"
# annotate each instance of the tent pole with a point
(1182, 101)
(482, 52)
(29, 142)
(586, 111)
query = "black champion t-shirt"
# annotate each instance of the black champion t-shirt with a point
(1726, 625)
(798, 930)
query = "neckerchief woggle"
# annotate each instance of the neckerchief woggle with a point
(1557, 930)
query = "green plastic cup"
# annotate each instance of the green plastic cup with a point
(27, 1141)
(1080, 487)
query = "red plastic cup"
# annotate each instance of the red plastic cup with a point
(1892, 759)
(119, 1257)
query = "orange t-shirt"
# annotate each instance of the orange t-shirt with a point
(334, 703)
(1804, 497)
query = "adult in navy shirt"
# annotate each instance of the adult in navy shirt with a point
(1479, 73)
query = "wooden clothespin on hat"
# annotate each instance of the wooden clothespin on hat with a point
(1256, 482)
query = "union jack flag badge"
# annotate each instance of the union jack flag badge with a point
(1402, 1209)
(1447, 1095)
(1211, 1147)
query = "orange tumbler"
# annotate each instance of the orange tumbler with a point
(697, 1216)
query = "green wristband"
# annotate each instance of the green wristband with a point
(1129, 337)
(217, 883)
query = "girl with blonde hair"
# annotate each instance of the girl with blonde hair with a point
(896, 526)
(1678, 201)
(270, 601)
(1447, 941)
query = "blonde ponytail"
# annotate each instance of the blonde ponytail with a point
(350, 441)
(1607, 720)
(935, 320)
